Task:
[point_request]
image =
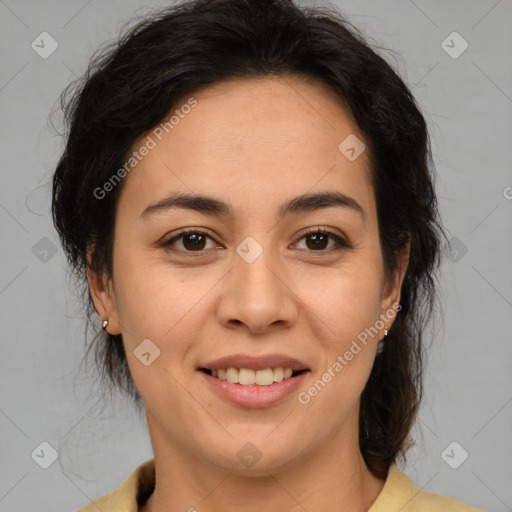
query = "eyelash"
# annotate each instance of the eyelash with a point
(341, 243)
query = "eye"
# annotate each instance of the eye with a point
(317, 240)
(191, 240)
(194, 240)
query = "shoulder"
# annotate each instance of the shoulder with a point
(400, 494)
(127, 497)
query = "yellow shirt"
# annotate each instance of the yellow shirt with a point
(399, 494)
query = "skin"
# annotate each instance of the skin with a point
(254, 143)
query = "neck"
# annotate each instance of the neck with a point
(333, 478)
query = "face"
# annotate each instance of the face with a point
(280, 272)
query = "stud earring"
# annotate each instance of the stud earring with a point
(104, 324)
(385, 332)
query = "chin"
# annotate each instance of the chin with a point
(253, 456)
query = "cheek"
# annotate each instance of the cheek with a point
(152, 297)
(347, 300)
(349, 306)
(168, 306)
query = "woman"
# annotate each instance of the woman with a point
(247, 196)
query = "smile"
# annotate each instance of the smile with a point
(253, 380)
(250, 377)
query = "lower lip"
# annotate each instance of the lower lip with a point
(255, 396)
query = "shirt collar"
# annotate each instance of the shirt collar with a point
(398, 493)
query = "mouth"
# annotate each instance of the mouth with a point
(251, 377)
(254, 381)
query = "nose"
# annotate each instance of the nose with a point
(258, 296)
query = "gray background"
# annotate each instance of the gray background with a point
(47, 396)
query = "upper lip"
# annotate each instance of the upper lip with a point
(256, 362)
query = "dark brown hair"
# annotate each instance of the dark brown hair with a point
(132, 85)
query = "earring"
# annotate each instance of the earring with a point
(104, 324)
(385, 332)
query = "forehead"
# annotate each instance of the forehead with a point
(261, 139)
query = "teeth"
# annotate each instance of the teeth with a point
(278, 374)
(232, 375)
(264, 377)
(248, 377)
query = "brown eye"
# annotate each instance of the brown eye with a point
(190, 241)
(194, 241)
(317, 240)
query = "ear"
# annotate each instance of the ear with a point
(103, 296)
(390, 297)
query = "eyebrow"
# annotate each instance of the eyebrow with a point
(212, 206)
